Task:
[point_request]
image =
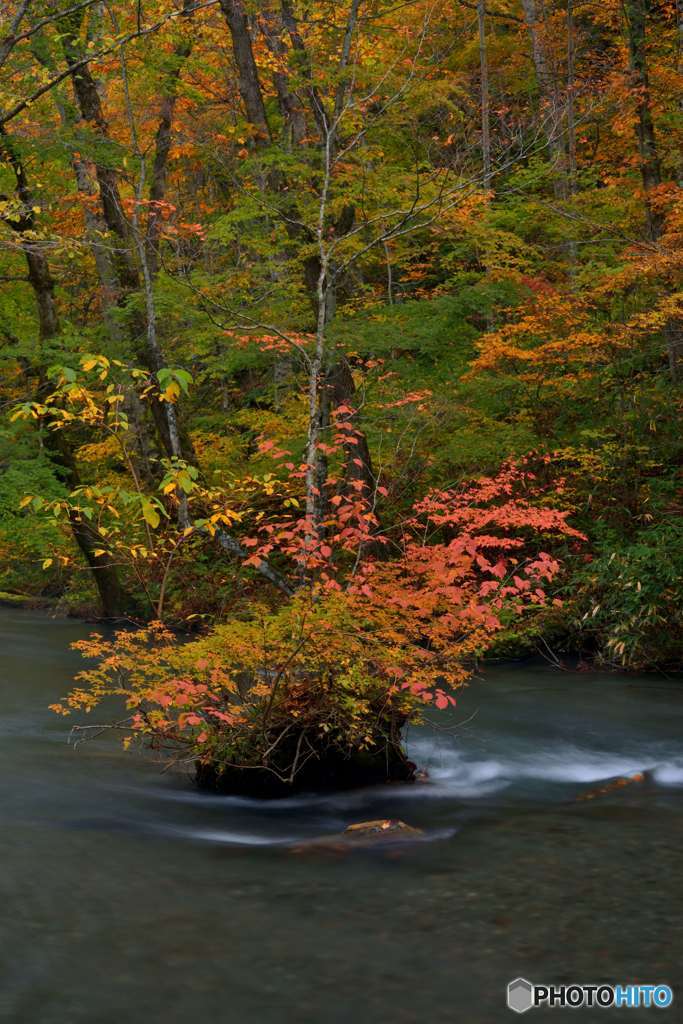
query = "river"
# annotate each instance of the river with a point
(128, 896)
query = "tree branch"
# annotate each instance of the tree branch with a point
(46, 87)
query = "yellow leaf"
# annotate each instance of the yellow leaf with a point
(47, 563)
(150, 514)
(171, 392)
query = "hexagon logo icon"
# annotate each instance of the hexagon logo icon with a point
(520, 995)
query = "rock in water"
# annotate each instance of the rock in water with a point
(360, 836)
(612, 786)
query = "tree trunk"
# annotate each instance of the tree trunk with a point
(357, 458)
(88, 99)
(484, 88)
(319, 274)
(41, 281)
(162, 149)
(113, 600)
(95, 227)
(547, 88)
(290, 108)
(636, 12)
(249, 85)
(129, 278)
(571, 104)
(650, 167)
(290, 23)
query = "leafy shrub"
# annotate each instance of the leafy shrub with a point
(630, 600)
(360, 647)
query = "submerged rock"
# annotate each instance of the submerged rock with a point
(363, 835)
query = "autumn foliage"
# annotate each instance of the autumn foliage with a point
(358, 650)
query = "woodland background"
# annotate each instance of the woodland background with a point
(267, 263)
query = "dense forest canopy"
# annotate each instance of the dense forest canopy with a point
(347, 333)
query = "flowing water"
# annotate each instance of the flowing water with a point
(127, 896)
